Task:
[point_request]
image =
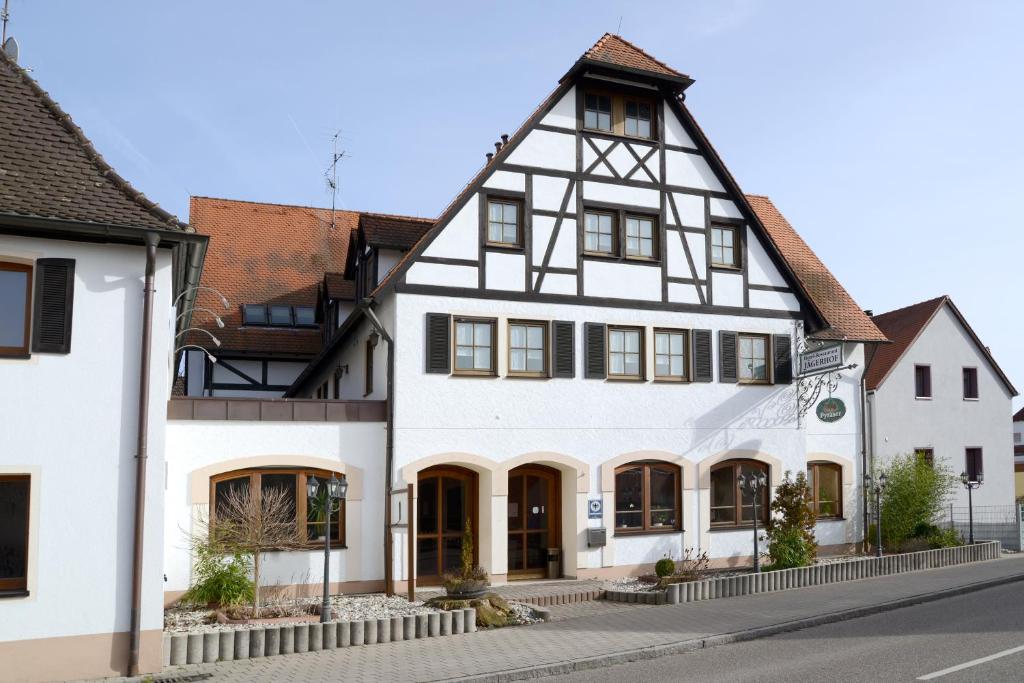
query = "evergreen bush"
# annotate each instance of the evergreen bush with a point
(790, 532)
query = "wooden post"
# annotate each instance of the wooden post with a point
(411, 552)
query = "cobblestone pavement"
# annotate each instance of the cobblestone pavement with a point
(592, 629)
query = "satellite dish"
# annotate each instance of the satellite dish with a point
(11, 49)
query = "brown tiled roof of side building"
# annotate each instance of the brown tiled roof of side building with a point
(616, 50)
(1019, 416)
(338, 287)
(266, 254)
(393, 232)
(846, 320)
(50, 170)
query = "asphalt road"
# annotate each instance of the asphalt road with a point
(902, 645)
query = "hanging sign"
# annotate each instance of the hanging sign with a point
(831, 409)
(825, 358)
(596, 509)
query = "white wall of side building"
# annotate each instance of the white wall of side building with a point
(70, 421)
(947, 422)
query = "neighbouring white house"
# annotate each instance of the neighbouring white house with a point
(89, 272)
(1018, 453)
(937, 391)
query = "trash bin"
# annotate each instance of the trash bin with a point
(554, 563)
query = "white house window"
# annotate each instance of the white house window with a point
(474, 347)
(753, 358)
(597, 112)
(670, 355)
(638, 119)
(598, 233)
(639, 237)
(15, 302)
(624, 352)
(503, 222)
(526, 354)
(14, 530)
(723, 247)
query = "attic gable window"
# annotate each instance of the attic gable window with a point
(599, 233)
(620, 115)
(724, 247)
(503, 222)
(597, 112)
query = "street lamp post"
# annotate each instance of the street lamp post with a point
(334, 492)
(877, 488)
(971, 483)
(754, 483)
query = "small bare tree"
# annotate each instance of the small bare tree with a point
(255, 524)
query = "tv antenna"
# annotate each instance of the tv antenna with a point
(331, 174)
(5, 15)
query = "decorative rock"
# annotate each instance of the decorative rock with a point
(256, 642)
(409, 627)
(369, 631)
(211, 646)
(357, 633)
(272, 641)
(316, 637)
(195, 649)
(384, 630)
(226, 647)
(179, 649)
(301, 638)
(397, 631)
(422, 625)
(433, 625)
(446, 623)
(287, 637)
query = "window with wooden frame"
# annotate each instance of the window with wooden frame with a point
(504, 222)
(647, 498)
(15, 308)
(970, 384)
(599, 233)
(825, 479)
(926, 454)
(371, 344)
(310, 522)
(752, 358)
(922, 381)
(474, 343)
(641, 237)
(974, 464)
(14, 533)
(626, 115)
(625, 353)
(731, 506)
(725, 246)
(671, 355)
(527, 349)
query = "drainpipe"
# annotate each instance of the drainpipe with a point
(389, 448)
(864, 453)
(152, 240)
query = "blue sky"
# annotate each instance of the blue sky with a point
(889, 133)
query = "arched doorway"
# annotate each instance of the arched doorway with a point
(533, 519)
(447, 497)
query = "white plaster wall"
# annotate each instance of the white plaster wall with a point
(442, 274)
(778, 301)
(460, 237)
(563, 114)
(194, 445)
(947, 422)
(675, 134)
(504, 180)
(545, 149)
(726, 289)
(723, 208)
(690, 170)
(760, 269)
(353, 358)
(505, 271)
(691, 210)
(70, 421)
(549, 191)
(386, 260)
(557, 283)
(621, 194)
(621, 280)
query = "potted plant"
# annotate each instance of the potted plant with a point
(471, 581)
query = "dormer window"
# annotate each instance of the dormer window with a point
(638, 119)
(281, 315)
(503, 222)
(278, 315)
(254, 314)
(597, 112)
(618, 114)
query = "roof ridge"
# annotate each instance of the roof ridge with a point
(941, 298)
(312, 208)
(106, 170)
(642, 51)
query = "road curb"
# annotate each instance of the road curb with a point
(655, 651)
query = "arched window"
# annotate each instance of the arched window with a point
(731, 506)
(309, 522)
(647, 497)
(825, 480)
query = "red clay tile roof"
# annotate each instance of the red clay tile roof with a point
(338, 287)
(903, 326)
(845, 318)
(618, 51)
(393, 232)
(50, 170)
(267, 253)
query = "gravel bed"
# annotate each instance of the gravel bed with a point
(628, 584)
(524, 614)
(347, 608)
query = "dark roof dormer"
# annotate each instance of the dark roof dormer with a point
(614, 54)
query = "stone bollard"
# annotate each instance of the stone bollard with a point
(469, 620)
(384, 630)
(272, 641)
(409, 627)
(330, 636)
(433, 624)
(316, 637)
(672, 594)
(344, 633)
(446, 623)
(194, 654)
(226, 646)
(422, 625)
(286, 637)
(165, 649)
(357, 633)
(256, 642)
(457, 622)
(211, 647)
(369, 631)
(301, 638)
(179, 649)
(397, 630)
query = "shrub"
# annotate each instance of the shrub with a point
(665, 567)
(689, 568)
(790, 533)
(469, 572)
(220, 581)
(944, 538)
(912, 499)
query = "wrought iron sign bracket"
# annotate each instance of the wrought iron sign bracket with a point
(809, 387)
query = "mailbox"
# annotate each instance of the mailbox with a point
(597, 537)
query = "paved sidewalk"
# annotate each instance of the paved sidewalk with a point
(597, 632)
(554, 592)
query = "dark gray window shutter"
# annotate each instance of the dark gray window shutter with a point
(563, 349)
(783, 357)
(702, 368)
(438, 349)
(593, 337)
(54, 301)
(727, 357)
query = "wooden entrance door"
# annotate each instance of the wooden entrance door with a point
(446, 498)
(533, 519)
